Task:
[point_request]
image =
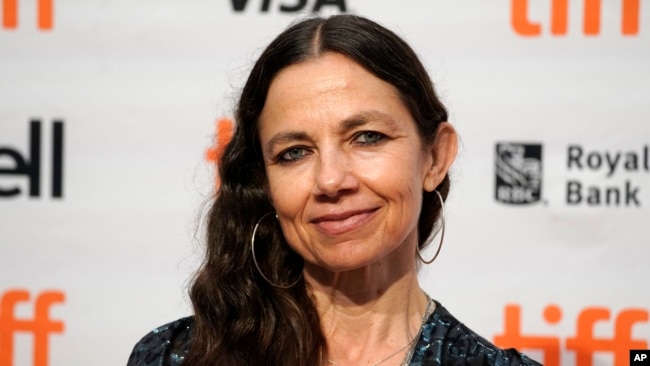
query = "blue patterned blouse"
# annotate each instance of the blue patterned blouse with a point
(443, 341)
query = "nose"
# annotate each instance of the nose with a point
(334, 174)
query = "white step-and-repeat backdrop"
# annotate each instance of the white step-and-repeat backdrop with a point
(108, 116)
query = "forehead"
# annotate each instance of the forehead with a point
(331, 86)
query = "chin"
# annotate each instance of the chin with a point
(349, 261)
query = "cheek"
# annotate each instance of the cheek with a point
(399, 176)
(410, 203)
(289, 197)
(288, 194)
(403, 186)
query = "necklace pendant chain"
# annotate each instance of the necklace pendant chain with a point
(382, 360)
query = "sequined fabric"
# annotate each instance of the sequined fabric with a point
(166, 345)
(443, 341)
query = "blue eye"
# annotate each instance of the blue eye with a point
(369, 137)
(292, 154)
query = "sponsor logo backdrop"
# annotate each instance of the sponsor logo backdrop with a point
(109, 113)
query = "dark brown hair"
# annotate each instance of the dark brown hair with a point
(240, 319)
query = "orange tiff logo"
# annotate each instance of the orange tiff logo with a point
(522, 24)
(224, 130)
(583, 343)
(40, 326)
(45, 10)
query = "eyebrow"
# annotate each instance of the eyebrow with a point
(285, 137)
(366, 117)
(348, 124)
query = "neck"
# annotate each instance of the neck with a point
(369, 313)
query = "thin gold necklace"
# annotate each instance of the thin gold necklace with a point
(382, 360)
(424, 318)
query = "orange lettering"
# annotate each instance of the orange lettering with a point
(45, 14)
(584, 343)
(512, 336)
(9, 324)
(10, 14)
(41, 325)
(559, 17)
(623, 334)
(630, 21)
(592, 17)
(629, 18)
(225, 129)
(519, 19)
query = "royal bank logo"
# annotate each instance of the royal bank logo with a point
(518, 169)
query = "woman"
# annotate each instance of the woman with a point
(330, 187)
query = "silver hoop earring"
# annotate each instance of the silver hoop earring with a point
(255, 259)
(434, 234)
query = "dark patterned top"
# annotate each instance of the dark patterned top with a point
(443, 341)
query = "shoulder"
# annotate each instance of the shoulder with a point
(446, 341)
(166, 345)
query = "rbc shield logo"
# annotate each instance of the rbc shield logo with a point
(518, 173)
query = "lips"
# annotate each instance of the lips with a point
(343, 222)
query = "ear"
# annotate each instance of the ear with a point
(442, 153)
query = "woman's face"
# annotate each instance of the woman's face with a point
(345, 164)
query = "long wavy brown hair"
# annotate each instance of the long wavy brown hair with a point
(240, 319)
